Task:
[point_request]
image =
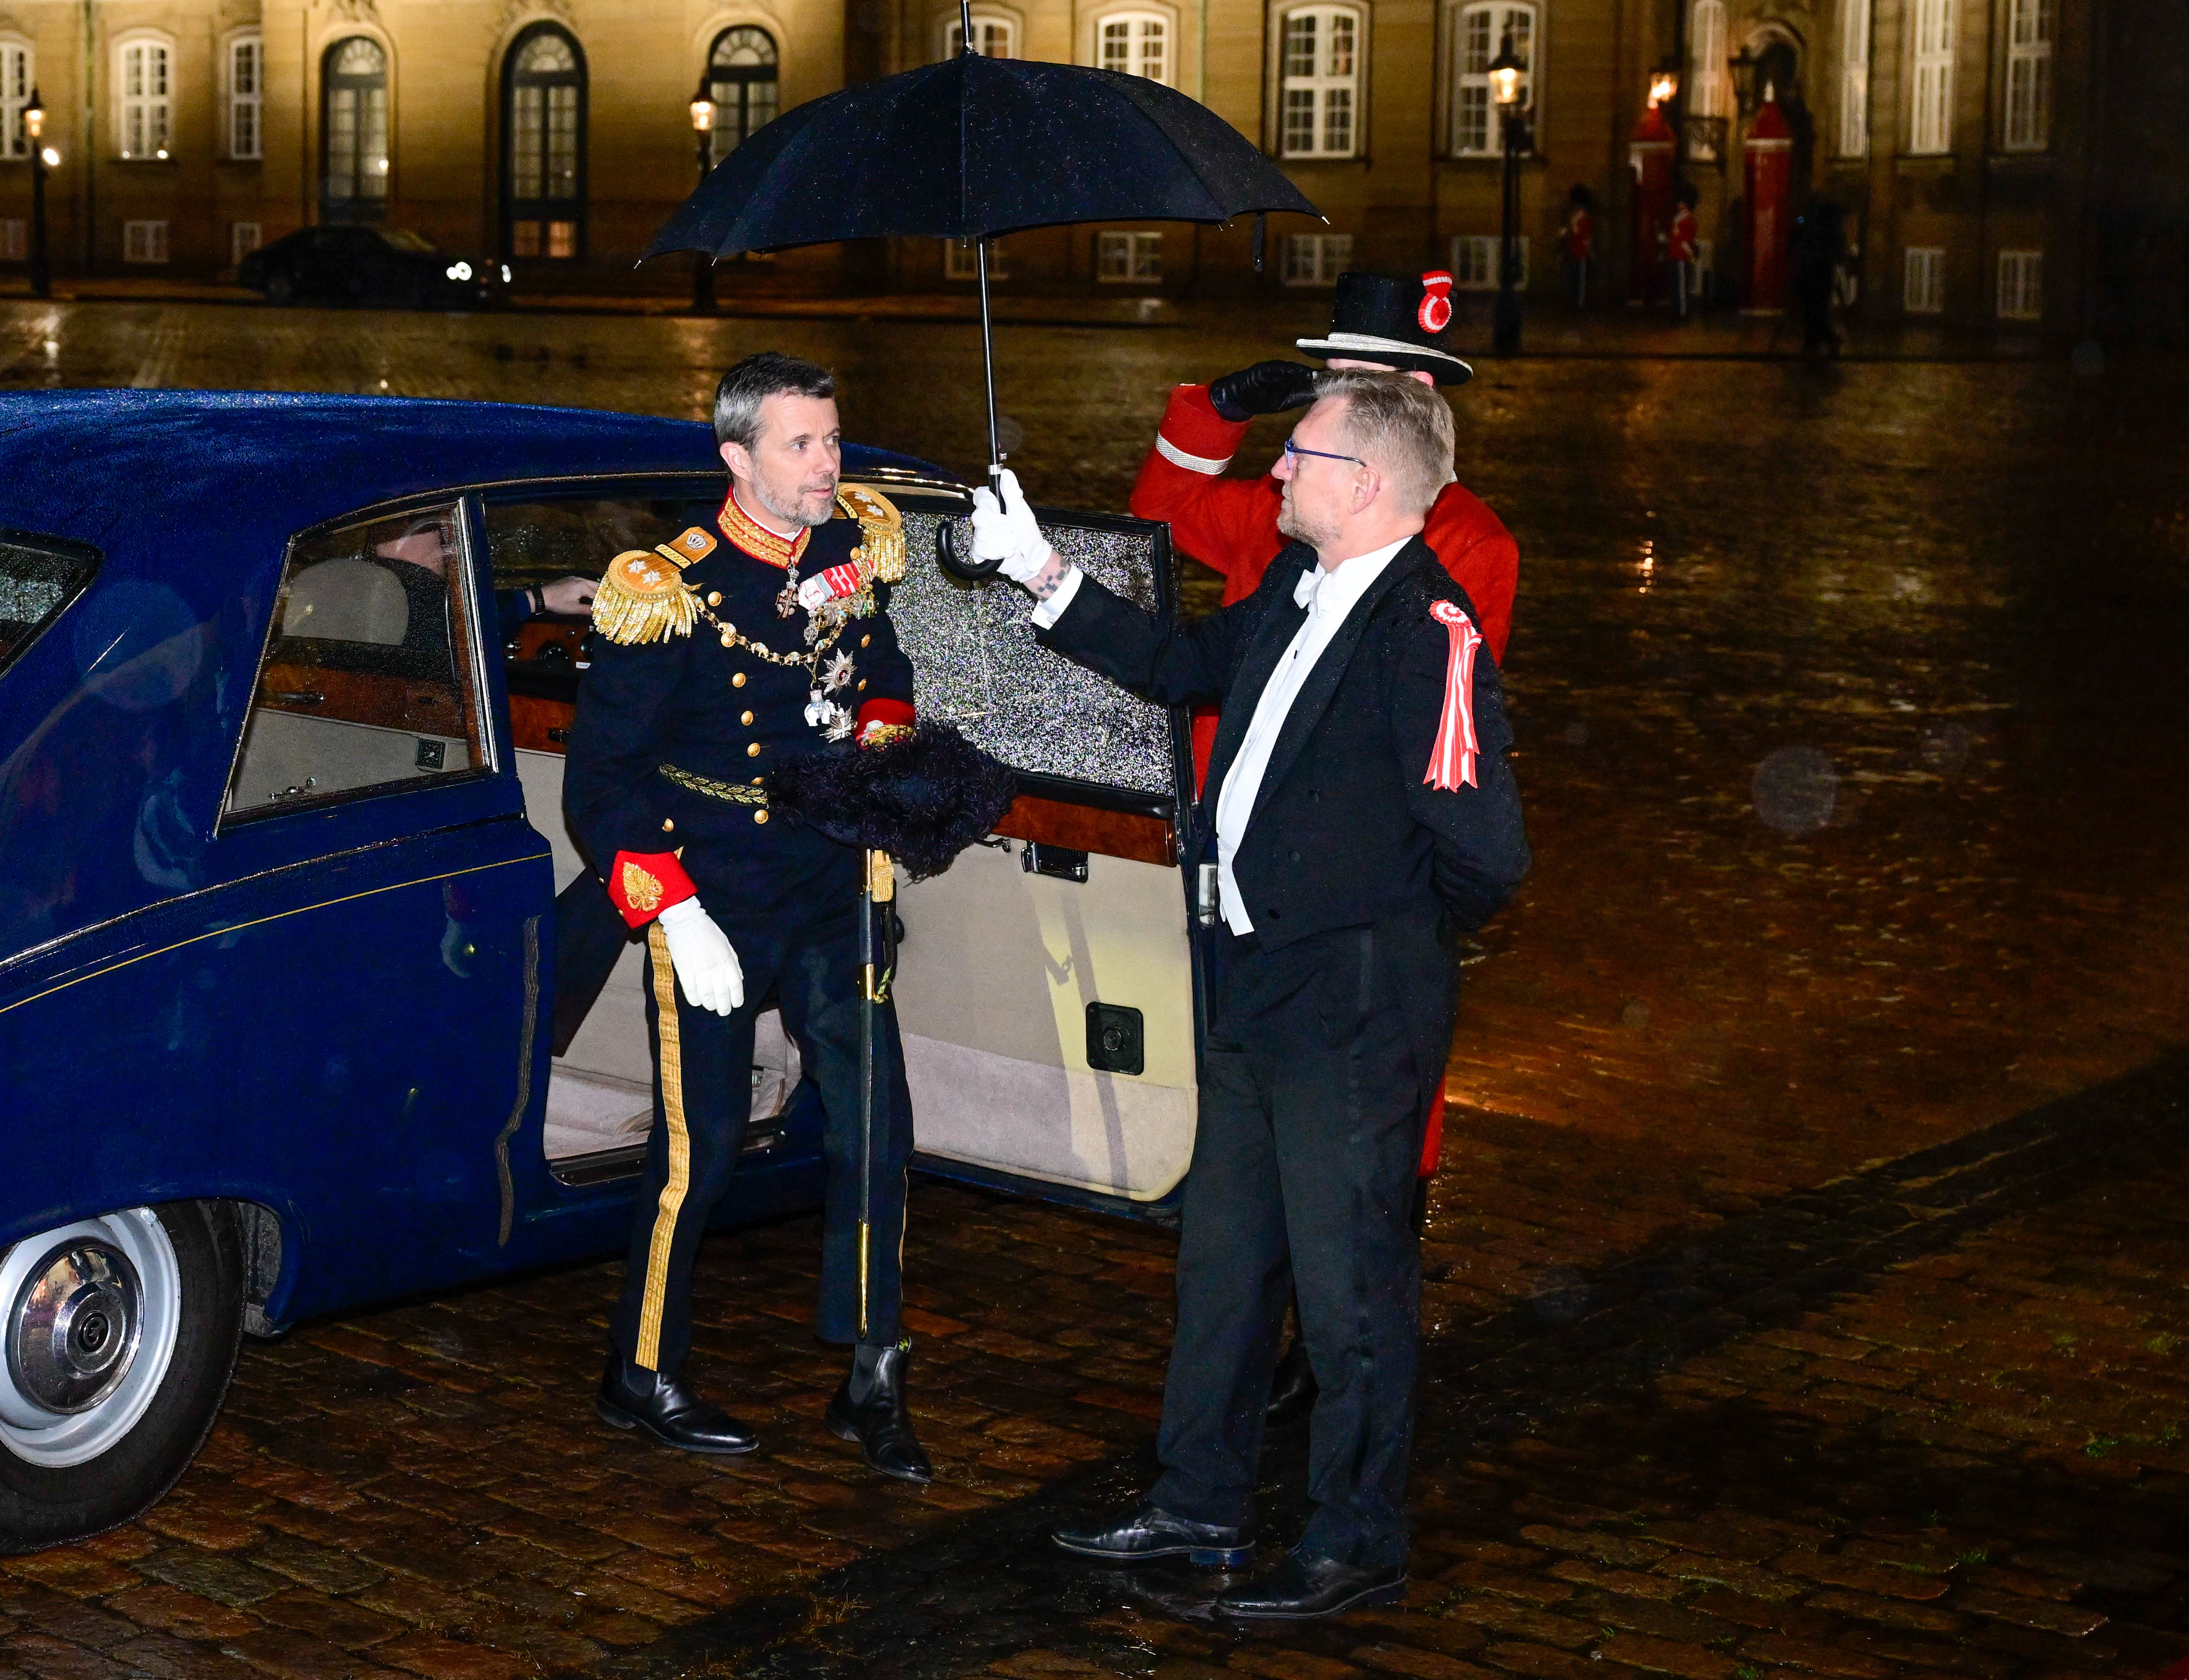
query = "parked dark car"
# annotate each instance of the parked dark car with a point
(281, 842)
(343, 265)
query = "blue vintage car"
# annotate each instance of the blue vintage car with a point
(280, 844)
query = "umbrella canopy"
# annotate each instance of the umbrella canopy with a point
(973, 148)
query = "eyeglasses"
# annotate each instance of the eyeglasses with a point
(1293, 452)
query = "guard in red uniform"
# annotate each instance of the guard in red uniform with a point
(1680, 249)
(1392, 324)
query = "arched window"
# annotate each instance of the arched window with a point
(1479, 35)
(353, 131)
(994, 37)
(543, 145)
(1319, 81)
(741, 81)
(18, 74)
(1135, 43)
(146, 96)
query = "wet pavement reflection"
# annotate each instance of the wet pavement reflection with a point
(1805, 1280)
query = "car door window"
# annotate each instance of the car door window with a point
(37, 579)
(370, 677)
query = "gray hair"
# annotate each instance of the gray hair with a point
(1398, 425)
(752, 381)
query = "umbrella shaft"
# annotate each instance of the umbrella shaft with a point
(988, 361)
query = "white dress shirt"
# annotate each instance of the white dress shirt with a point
(1328, 597)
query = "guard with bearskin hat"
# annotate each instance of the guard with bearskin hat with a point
(732, 654)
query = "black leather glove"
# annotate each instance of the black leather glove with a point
(1266, 388)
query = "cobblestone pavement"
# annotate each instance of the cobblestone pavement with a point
(1805, 1294)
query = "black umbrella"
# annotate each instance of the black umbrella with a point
(972, 149)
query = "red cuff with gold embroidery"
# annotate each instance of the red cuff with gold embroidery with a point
(644, 884)
(881, 721)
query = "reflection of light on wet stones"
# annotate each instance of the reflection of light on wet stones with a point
(1946, 747)
(1576, 734)
(1559, 1296)
(1795, 790)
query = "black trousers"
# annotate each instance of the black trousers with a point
(703, 1098)
(1320, 1064)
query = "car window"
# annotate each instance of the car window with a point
(37, 579)
(369, 680)
(401, 239)
(534, 542)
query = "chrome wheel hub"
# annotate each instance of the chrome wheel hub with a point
(92, 1309)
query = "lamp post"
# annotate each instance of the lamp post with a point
(34, 125)
(1508, 82)
(1743, 66)
(703, 128)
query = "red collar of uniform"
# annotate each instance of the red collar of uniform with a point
(755, 538)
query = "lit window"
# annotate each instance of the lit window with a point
(1318, 88)
(243, 239)
(354, 108)
(1136, 44)
(960, 264)
(543, 161)
(1930, 127)
(143, 241)
(1474, 262)
(1127, 257)
(1923, 279)
(1854, 78)
(1708, 97)
(247, 66)
(741, 81)
(2020, 286)
(1316, 259)
(1480, 36)
(147, 99)
(15, 241)
(993, 36)
(18, 74)
(2029, 75)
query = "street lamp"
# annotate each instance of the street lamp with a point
(42, 157)
(1508, 82)
(1664, 84)
(1743, 66)
(703, 128)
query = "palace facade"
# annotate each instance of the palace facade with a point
(1998, 160)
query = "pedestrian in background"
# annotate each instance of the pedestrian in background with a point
(1680, 249)
(1578, 239)
(1818, 243)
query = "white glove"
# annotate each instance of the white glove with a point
(700, 953)
(1008, 531)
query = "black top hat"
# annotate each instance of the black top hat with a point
(1400, 320)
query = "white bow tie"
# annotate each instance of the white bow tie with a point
(1309, 584)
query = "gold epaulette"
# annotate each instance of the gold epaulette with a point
(694, 545)
(642, 597)
(881, 530)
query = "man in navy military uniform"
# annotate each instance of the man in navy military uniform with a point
(728, 651)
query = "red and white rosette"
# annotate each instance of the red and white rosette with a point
(1451, 759)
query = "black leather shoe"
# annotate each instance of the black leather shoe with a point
(880, 1423)
(1148, 1530)
(1301, 1589)
(1291, 1391)
(663, 1409)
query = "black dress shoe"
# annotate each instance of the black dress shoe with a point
(663, 1409)
(880, 1423)
(1148, 1530)
(1293, 1390)
(1300, 1589)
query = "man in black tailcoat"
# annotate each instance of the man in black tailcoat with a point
(1361, 815)
(725, 651)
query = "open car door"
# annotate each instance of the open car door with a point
(1046, 983)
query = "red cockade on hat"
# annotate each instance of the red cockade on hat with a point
(1451, 758)
(1435, 312)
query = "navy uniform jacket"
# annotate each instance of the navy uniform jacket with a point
(673, 733)
(1345, 830)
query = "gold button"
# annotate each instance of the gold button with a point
(668, 825)
(752, 751)
(757, 780)
(862, 682)
(738, 680)
(713, 598)
(760, 817)
(729, 640)
(745, 717)
(865, 640)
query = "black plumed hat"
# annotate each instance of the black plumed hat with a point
(1400, 320)
(923, 799)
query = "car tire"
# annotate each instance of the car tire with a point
(91, 1437)
(281, 289)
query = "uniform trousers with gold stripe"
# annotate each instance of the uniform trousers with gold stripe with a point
(702, 1098)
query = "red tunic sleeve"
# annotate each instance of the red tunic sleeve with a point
(1482, 557)
(1228, 524)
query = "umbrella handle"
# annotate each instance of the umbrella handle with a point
(950, 553)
